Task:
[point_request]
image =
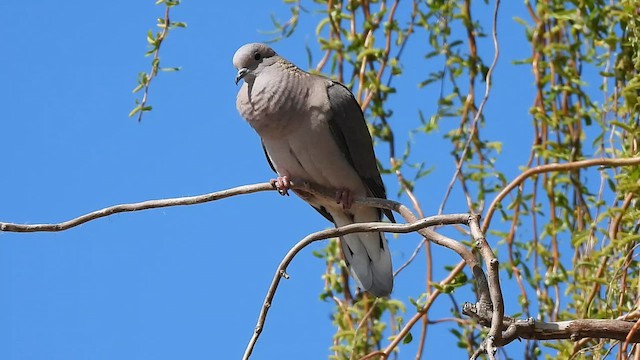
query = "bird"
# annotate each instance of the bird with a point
(313, 128)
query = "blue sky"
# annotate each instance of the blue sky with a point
(183, 282)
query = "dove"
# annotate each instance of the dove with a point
(313, 129)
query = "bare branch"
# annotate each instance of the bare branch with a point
(144, 205)
(494, 290)
(573, 329)
(329, 233)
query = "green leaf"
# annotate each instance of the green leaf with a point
(135, 110)
(407, 339)
(151, 38)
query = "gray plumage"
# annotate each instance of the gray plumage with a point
(312, 128)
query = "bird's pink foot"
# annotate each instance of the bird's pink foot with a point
(282, 184)
(345, 198)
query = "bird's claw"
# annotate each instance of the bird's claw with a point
(282, 184)
(344, 197)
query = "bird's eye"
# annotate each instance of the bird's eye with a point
(257, 56)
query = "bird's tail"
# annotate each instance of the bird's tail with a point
(369, 261)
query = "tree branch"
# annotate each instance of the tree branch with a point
(552, 168)
(281, 271)
(485, 298)
(574, 330)
(144, 205)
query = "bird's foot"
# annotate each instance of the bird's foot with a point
(344, 197)
(282, 184)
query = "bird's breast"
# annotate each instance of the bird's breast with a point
(274, 108)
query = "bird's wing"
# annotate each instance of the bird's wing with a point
(319, 209)
(350, 132)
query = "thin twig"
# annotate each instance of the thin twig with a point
(155, 64)
(476, 118)
(411, 322)
(329, 233)
(361, 324)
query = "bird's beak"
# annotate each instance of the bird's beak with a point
(241, 73)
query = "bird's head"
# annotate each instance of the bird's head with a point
(250, 59)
